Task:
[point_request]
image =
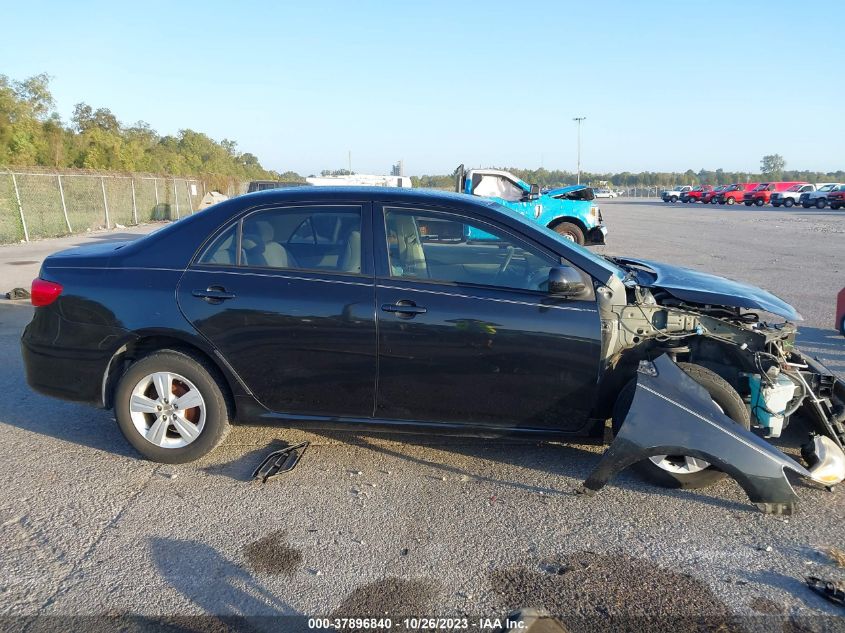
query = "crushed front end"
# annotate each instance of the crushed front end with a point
(660, 311)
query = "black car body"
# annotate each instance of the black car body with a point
(338, 306)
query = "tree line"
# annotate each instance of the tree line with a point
(33, 134)
(773, 167)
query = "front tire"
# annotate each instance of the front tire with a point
(571, 232)
(675, 471)
(673, 199)
(821, 203)
(760, 202)
(731, 201)
(789, 202)
(171, 407)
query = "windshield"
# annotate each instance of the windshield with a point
(761, 187)
(827, 188)
(732, 188)
(795, 188)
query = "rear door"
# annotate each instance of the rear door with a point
(285, 294)
(467, 335)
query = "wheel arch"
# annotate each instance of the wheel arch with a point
(568, 218)
(145, 342)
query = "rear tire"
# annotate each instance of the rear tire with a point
(570, 231)
(722, 394)
(137, 397)
(760, 202)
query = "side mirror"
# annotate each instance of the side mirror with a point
(534, 192)
(565, 281)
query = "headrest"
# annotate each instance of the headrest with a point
(265, 230)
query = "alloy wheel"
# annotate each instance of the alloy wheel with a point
(167, 409)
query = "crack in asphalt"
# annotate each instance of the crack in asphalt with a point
(61, 586)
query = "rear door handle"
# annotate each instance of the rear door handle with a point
(213, 294)
(404, 309)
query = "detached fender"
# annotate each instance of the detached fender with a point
(671, 414)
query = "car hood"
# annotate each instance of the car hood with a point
(691, 285)
(572, 192)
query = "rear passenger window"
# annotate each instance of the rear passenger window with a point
(223, 250)
(303, 238)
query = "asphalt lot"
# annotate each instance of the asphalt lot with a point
(411, 524)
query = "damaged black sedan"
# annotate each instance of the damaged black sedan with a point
(331, 307)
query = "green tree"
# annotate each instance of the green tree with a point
(772, 165)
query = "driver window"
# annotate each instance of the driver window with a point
(494, 186)
(464, 252)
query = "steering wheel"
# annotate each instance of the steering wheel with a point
(507, 261)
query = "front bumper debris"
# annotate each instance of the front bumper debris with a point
(671, 414)
(597, 235)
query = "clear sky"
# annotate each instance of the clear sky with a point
(664, 85)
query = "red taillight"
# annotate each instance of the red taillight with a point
(45, 292)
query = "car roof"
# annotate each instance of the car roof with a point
(376, 194)
(494, 172)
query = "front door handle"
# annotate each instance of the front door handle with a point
(213, 294)
(404, 309)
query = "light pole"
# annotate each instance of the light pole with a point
(578, 119)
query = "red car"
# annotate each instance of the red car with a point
(694, 195)
(709, 197)
(734, 193)
(836, 198)
(840, 311)
(762, 193)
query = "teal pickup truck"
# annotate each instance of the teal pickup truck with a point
(570, 211)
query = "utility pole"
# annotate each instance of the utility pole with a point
(350, 162)
(578, 119)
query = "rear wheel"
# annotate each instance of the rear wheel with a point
(683, 471)
(760, 202)
(570, 231)
(171, 407)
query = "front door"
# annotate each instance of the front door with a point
(286, 295)
(467, 334)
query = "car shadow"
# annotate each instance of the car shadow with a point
(242, 467)
(565, 460)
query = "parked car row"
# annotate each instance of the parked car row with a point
(785, 193)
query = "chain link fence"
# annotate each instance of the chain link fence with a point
(36, 204)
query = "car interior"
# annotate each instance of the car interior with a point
(281, 238)
(438, 254)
